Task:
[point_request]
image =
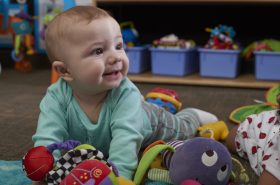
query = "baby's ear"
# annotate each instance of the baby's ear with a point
(62, 71)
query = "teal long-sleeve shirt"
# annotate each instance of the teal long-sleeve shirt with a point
(119, 132)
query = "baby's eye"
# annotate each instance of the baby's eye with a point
(119, 46)
(97, 51)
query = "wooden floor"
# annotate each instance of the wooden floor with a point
(242, 81)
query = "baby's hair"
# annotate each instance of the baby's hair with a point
(61, 28)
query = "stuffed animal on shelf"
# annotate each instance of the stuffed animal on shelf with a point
(81, 165)
(218, 130)
(200, 160)
(221, 37)
(130, 34)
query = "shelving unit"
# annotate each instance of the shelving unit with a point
(242, 81)
(187, 1)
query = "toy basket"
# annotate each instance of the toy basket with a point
(267, 65)
(139, 59)
(219, 63)
(174, 62)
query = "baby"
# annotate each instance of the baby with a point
(94, 102)
(258, 139)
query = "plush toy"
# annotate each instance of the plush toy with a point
(173, 41)
(81, 165)
(262, 45)
(130, 34)
(90, 172)
(202, 160)
(37, 163)
(218, 129)
(238, 115)
(165, 98)
(221, 37)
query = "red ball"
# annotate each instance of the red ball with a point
(37, 162)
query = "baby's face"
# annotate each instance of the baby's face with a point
(95, 56)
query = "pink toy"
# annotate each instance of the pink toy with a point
(190, 182)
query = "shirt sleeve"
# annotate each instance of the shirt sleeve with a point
(52, 127)
(126, 129)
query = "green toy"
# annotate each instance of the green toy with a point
(263, 45)
(239, 115)
(201, 160)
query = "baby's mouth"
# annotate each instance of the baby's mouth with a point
(111, 73)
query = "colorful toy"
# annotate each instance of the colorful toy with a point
(238, 115)
(4, 10)
(172, 41)
(203, 160)
(218, 129)
(166, 98)
(82, 164)
(263, 45)
(51, 12)
(90, 172)
(130, 34)
(23, 40)
(221, 37)
(37, 163)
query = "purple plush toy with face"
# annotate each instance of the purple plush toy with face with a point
(201, 159)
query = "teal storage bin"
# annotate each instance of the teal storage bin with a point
(267, 65)
(219, 63)
(139, 59)
(174, 62)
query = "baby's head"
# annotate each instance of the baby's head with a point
(63, 28)
(85, 47)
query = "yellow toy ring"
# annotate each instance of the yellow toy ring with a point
(162, 96)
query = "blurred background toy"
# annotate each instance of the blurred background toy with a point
(22, 25)
(4, 8)
(130, 34)
(221, 37)
(262, 45)
(51, 12)
(172, 41)
(165, 98)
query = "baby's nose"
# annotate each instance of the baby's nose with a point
(114, 59)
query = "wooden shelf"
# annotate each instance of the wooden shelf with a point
(187, 1)
(242, 81)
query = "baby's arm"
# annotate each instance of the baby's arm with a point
(230, 141)
(51, 126)
(266, 178)
(126, 129)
